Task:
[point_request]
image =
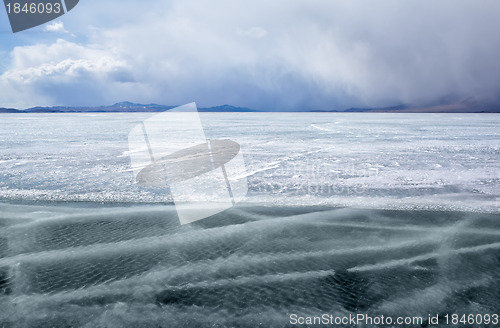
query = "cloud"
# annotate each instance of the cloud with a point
(62, 72)
(56, 27)
(253, 32)
(323, 54)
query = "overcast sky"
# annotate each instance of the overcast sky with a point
(272, 55)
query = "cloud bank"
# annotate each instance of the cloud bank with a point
(280, 55)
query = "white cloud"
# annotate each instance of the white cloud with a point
(284, 54)
(64, 69)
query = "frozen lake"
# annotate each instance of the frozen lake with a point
(380, 214)
(425, 161)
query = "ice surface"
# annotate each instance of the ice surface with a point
(136, 266)
(429, 161)
(83, 245)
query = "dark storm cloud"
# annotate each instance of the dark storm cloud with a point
(279, 55)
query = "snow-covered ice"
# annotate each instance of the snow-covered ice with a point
(429, 161)
(381, 214)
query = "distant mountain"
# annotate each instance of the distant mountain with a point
(129, 107)
(9, 110)
(120, 107)
(378, 109)
(226, 108)
(469, 105)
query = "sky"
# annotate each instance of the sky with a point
(267, 55)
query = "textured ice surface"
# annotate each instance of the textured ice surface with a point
(135, 266)
(431, 161)
(82, 245)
